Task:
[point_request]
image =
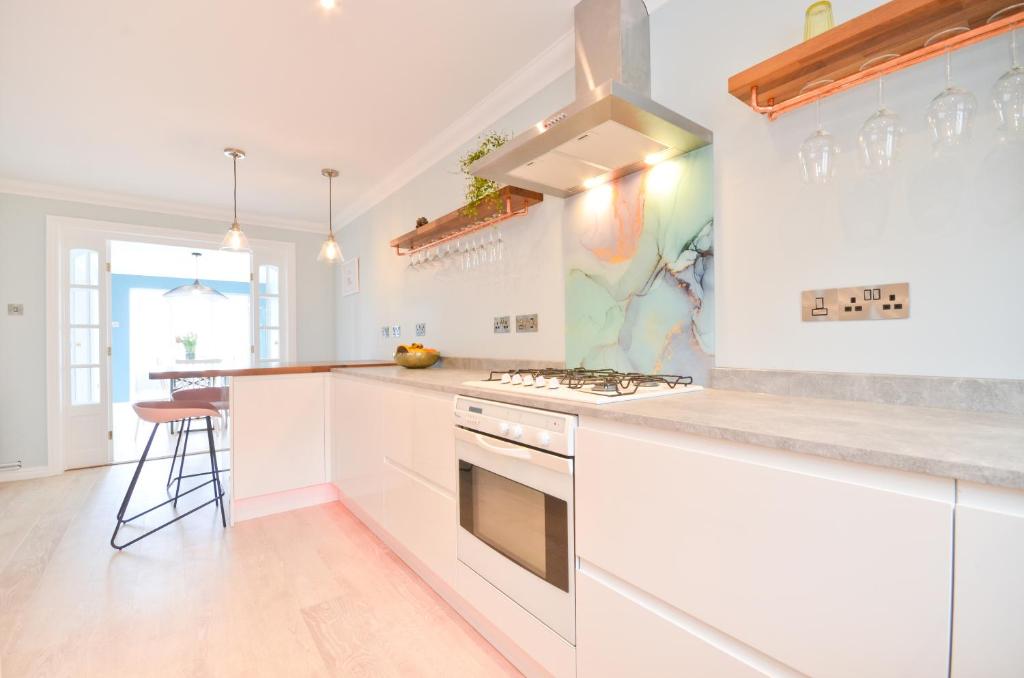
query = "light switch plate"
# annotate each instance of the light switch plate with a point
(421, 329)
(15, 309)
(396, 331)
(864, 302)
(385, 331)
(526, 323)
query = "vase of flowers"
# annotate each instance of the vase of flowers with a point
(189, 342)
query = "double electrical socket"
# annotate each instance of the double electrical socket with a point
(524, 323)
(866, 302)
(387, 331)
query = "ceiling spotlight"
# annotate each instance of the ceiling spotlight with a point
(592, 182)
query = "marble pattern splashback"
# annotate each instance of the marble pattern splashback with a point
(639, 256)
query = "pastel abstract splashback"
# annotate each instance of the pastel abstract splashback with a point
(639, 256)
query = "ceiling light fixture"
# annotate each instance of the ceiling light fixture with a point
(194, 288)
(330, 251)
(234, 239)
(593, 181)
(328, 4)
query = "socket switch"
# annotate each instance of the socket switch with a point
(15, 309)
(526, 323)
(396, 331)
(385, 331)
(421, 329)
(502, 325)
(867, 302)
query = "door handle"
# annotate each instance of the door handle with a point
(508, 452)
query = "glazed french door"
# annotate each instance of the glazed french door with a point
(84, 349)
(269, 293)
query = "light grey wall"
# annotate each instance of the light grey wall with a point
(458, 307)
(952, 228)
(22, 280)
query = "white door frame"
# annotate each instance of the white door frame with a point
(56, 229)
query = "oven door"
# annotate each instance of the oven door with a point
(516, 524)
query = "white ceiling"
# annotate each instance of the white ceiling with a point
(138, 98)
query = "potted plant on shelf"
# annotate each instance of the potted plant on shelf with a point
(189, 342)
(480, 191)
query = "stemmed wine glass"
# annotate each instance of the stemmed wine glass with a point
(879, 137)
(1008, 92)
(818, 151)
(951, 112)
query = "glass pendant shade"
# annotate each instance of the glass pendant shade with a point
(234, 239)
(330, 251)
(194, 288)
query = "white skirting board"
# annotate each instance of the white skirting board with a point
(29, 473)
(278, 502)
(501, 642)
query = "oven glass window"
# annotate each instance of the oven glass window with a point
(525, 525)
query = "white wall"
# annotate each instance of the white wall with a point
(22, 280)
(953, 230)
(458, 308)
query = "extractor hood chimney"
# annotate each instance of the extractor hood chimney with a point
(613, 127)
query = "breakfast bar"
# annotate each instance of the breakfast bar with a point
(280, 441)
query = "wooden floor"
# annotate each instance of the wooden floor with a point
(306, 593)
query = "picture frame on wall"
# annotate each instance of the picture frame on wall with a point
(350, 277)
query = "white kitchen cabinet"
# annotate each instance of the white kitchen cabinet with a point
(831, 568)
(357, 465)
(433, 445)
(988, 607)
(422, 518)
(621, 636)
(278, 434)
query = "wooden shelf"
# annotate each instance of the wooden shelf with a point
(835, 58)
(511, 202)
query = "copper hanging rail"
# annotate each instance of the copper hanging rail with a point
(784, 70)
(510, 202)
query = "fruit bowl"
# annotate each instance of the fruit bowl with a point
(415, 356)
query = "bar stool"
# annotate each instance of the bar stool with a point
(163, 412)
(219, 397)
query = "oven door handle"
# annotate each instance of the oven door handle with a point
(542, 459)
(513, 452)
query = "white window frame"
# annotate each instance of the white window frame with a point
(57, 228)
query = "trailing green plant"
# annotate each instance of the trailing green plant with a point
(480, 191)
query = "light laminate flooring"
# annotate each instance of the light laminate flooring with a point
(306, 593)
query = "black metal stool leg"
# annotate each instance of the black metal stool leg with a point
(181, 467)
(217, 488)
(131, 489)
(170, 471)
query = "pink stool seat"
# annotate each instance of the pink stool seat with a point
(215, 395)
(166, 411)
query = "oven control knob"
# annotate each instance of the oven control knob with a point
(544, 438)
(540, 381)
(506, 378)
(553, 382)
(517, 431)
(503, 428)
(517, 379)
(528, 380)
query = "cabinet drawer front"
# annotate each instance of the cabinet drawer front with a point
(433, 455)
(422, 518)
(616, 636)
(829, 577)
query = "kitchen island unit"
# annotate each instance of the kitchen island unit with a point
(280, 433)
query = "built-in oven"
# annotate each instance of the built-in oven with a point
(515, 508)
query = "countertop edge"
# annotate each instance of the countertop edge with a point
(954, 470)
(253, 371)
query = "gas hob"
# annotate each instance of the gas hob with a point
(597, 387)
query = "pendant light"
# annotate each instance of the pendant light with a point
(330, 251)
(194, 288)
(234, 239)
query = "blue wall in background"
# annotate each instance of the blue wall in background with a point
(120, 290)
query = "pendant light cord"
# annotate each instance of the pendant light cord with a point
(330, 204)
(234, 191)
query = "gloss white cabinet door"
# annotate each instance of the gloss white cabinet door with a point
(988, 608)
(831, 568)
(433, 445)
(618, 636)
(422, 518)
(357, 465)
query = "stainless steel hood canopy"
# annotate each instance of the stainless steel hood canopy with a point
(613, 127)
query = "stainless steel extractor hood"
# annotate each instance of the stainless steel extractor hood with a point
(613, 127)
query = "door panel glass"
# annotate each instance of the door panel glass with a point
(85, 306)
(523, 524)
(270, 315)
(268, 280)
(270, 344)
(85, 345)
(85, 385)
(84, 267)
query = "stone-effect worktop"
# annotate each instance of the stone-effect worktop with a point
(981, 447)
